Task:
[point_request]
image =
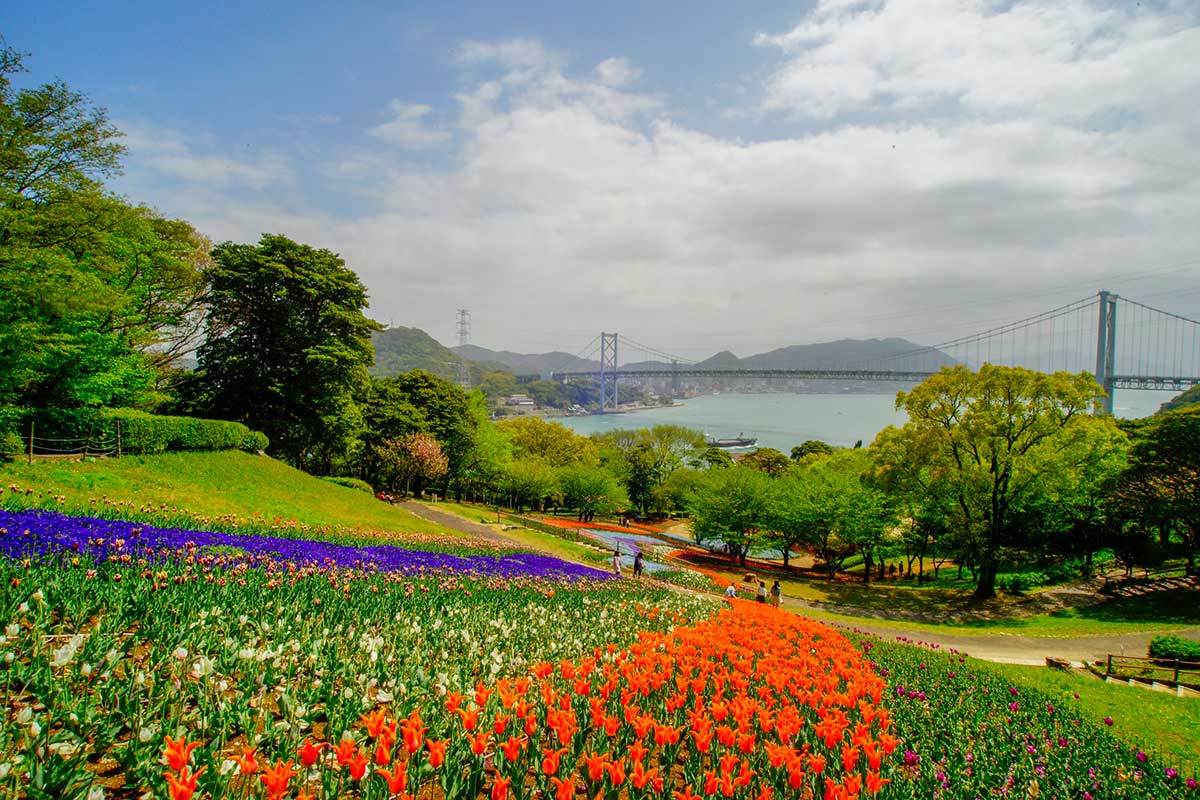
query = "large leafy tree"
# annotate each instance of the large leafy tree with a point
(649, 456)
(982, 440)
(1162, 482)
(591, 490)
(97, 297)
(732, 506)
(287, 348)
(552, 442)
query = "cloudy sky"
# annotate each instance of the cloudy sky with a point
(697, 175)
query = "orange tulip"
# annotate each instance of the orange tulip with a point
(309, 753)
(178, 754)
(397, 780)
(500, 788)
(358, 765)
(183, 785)
(276, 779)
(247, 763)
(437, 752)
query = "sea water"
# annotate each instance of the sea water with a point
(783, 420)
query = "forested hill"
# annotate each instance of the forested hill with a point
(1191, 397)
(528, 364)
(400, 349)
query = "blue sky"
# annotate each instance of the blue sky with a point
(700, 176)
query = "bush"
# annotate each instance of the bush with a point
(255, 442)
(350, 483)
(1169, 648)
(153, 433)
(11, 446)
(1021, 581)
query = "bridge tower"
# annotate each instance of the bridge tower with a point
(674, 378)
(1106, 349)
(608, 366)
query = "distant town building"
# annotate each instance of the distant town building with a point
(519, 400)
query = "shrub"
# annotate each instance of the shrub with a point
(351, 483)
(255, 442)
(153, 433)
(1022, 581)
(11, 446)
(1174, 647)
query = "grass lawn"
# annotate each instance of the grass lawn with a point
(1156, 722)
(211, 485)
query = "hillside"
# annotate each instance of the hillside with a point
(400, 349)
(216, 484)
(830, 355)
(1191, 397)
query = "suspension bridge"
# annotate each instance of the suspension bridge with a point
(1124, 344)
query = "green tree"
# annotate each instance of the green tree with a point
(552, 442)
(287, 348)
(1162, 482)
(811, 447)
(591, 490)
(650, 456)
(983, 439)
(732, 506)
(97, 297)
(768, 460)
(529, 482)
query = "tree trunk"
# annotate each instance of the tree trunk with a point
(986, 587)
(785, 556)
(867, 565)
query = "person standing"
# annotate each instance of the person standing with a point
(616, 563)
(637, 565)
(776, 594)
(761, 594)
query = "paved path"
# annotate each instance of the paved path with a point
(457, 523)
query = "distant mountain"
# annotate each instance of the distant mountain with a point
(847, 353)
(525, 364)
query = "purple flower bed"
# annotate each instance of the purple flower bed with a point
(40, 534)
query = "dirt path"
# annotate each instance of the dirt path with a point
(457, 523)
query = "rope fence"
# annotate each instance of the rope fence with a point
(100, 445)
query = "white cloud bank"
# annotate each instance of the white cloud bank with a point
(935, 150)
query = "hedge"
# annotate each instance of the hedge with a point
(1169, 648)
(151, 433)
(351, 483)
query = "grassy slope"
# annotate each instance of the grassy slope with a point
(214, 484)
(1152, 721)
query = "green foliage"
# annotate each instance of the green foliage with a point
(1174, 647)
(152, 433)
(731, 507)
(350, 483)
(399, 350)
(255, 442)
(11, 445)
(97, 297)
(591, 490)
(1190, 397)
(768, 460)
(287, 348)
(688, 579)
(644, 459)
(979, 444)
(811, 447)
(552, 442)
(528, 483)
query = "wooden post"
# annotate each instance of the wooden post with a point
(118, 438)
(31, 442)
(87, 443)
(1109, 670)
(1177, 672)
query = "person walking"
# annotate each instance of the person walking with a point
(616, 563)
(637, 565)
(776, 594)
(761, 594)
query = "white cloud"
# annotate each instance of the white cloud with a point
(407, 127)
(170, 154)
(929, 152)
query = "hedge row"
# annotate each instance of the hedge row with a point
(152, 433)
(350, 483)
(146, 433)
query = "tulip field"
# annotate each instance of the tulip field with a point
(139, 661)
